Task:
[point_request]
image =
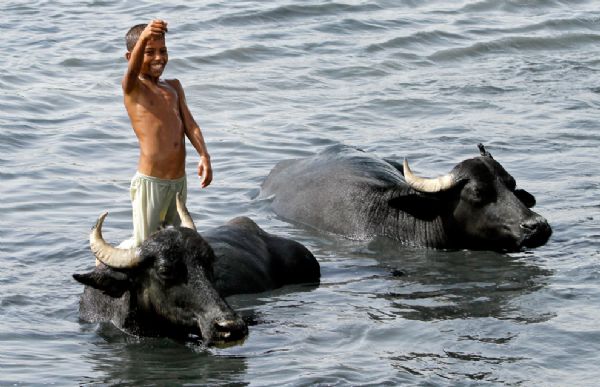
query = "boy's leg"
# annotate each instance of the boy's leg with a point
(146, 198)
(172, 217)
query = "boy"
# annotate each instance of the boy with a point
(160, 118)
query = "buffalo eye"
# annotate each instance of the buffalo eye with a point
(478, 194)
(172, 272)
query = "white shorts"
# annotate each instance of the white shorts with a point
(153, 203)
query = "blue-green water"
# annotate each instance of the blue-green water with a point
(281, 79)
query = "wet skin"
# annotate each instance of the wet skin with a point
(158, 111)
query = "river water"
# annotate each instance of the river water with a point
(276, 80)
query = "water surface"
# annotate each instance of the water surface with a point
(267, 81)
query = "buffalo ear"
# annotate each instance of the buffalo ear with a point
(525, 197)
(110, 282)
(424, 207)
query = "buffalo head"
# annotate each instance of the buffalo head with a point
(486, 210)
(165, 286)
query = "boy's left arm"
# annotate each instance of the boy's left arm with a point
(193, 132)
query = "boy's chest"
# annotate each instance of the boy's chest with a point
(160, 97)
(154, 98)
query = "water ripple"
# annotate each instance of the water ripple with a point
(516, 45)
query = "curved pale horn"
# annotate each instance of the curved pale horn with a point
(111, 256)
(438, 184)
(184, 215)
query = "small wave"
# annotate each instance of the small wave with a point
(350, 26)
(22, 9)
(248, 54)
(418, 40)
(477, 89)
(74, 62)
(510, 6)
(19, 137)
(553, 25)
(352, 72)
(517, 44)
(290, 12)
(409, 107)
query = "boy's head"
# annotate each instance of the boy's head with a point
(155, 52)
(133, 35)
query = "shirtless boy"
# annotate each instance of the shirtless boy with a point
(160, 119)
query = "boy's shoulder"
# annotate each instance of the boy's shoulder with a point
(174, 83)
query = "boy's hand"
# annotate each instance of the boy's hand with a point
(205, 171)
(156, 29)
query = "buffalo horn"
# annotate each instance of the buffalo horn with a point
(184, 215)
(421, 184)
(114, 257)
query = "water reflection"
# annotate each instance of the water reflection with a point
(127, 360)
(130, 360)
(440, 285)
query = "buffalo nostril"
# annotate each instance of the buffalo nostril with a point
(536, 226)
(231, 329)
(537, 231)
(529, 226)
(225, 325)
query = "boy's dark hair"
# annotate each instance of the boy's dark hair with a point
(133, 35)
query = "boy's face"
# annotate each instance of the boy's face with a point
(155, 58)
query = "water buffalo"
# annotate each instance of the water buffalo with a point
(346, 191)
(174, 283)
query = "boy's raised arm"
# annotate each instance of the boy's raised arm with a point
(154, 30)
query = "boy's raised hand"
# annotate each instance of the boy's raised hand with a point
(156, 29)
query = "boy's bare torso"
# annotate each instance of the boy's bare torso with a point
(158, 110)
(153, 109)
